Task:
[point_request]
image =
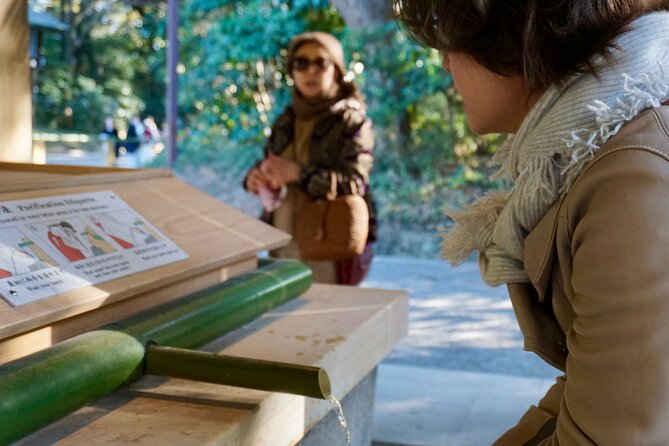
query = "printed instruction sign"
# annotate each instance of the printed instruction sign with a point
(52, 245)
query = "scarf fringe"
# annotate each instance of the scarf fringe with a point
(647, 91)
(473, 228)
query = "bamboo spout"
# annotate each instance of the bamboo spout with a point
(239, 372)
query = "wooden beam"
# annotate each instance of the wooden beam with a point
(15, 89)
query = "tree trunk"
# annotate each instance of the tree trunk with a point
(359, 14)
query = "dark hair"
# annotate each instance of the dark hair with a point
(545, 41)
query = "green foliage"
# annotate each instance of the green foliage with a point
(426, 157)
(110, 63)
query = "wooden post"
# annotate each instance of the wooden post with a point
(16, 107)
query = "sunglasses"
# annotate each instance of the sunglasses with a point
(303, 63)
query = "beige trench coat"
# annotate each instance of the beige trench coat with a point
(597, 306)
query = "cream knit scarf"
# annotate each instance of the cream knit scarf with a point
(560, 134)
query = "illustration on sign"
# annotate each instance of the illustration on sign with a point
(74, 240)
(52, 245)
(19, 254)
(125, 229)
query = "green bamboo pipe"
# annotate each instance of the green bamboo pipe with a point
(238, 372)
(48, 385)
(45, 386)
(206, 315)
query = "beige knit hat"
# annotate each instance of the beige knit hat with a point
(331, 44)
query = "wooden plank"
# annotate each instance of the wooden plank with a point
(58, 168)
(346, 330)
(40, 338)
(18, 177)
(213, 234)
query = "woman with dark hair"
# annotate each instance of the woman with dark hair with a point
(579, 237)
(323, 140)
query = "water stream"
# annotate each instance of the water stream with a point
(342, 419)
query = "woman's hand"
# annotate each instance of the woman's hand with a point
(279, 172)
(255, 180)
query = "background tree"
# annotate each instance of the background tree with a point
(109, 63)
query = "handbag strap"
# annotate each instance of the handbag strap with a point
(332, 193)
(354, 187)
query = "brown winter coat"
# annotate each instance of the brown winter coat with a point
(598, 303)
(341, 141)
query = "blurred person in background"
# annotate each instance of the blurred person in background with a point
(324, 135)
(135, 134)
(110, 132)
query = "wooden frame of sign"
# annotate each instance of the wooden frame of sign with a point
(220, 241)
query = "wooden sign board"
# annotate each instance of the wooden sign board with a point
(52, 245)
(217, 240)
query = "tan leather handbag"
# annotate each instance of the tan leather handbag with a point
(335, 228)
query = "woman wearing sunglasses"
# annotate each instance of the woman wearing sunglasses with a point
(324, 136)
(580, 234)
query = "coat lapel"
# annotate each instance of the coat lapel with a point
(531, 301)
(540, 251)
